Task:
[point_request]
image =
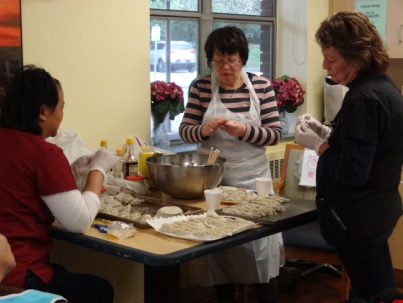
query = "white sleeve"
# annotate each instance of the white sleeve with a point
(74, 210)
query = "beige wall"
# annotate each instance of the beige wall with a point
(395, 71)
(317, 11)
(298, 55)
(99, 50)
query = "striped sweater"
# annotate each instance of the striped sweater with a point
(199, 99)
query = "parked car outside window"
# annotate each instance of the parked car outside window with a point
(182, 55)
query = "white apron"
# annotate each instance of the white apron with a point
(257, 261)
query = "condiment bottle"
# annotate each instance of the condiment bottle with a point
(130, 160)
(118, 168)
(104, 144)
(146, 152)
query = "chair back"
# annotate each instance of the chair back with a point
(290, 174)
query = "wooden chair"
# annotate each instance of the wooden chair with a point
(306, 243)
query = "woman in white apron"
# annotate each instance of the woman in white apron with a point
(257, 261)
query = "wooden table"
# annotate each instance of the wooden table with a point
(162, 254)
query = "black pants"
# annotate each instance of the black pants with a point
(266, 292)
(368, 264)
(75, 287)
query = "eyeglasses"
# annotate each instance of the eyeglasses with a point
(230, 63)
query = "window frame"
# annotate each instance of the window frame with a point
(206, 19)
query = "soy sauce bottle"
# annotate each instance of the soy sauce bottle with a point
(130, 163)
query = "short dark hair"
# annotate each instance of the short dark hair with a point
(356, 39)
(227, 40)
(30, 89)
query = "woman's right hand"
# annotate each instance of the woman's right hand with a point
(321, 130)
(103, 161)
(212, 125)
(310, 121)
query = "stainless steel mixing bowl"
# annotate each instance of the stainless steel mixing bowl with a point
(184, 176)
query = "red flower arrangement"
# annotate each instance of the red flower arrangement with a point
(166, 97)
(289, 93)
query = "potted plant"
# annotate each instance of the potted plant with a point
(166, 101)
(290, 95)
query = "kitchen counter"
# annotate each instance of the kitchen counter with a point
(161, 254)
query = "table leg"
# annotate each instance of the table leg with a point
(161, 284)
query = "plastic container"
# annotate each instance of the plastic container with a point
(135, 178)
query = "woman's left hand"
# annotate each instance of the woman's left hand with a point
(80, 167)
(234, 128)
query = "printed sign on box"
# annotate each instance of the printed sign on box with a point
(308, 171)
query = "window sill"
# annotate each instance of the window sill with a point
(178, 146)
(183, 148)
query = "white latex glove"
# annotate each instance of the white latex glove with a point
(80, 167)
(300, 119)
(306, 137)
(103, 160)
(321, 130)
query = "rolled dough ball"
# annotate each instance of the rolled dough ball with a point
(168, 211)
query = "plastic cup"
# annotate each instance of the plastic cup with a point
(263, 186)
(213, 198)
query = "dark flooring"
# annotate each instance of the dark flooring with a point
(321, 286)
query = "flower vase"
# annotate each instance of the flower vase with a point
(160, 136)
(284, 122)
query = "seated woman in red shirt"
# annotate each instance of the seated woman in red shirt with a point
(37, 186)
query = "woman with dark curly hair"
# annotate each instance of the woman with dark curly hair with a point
(361, 158)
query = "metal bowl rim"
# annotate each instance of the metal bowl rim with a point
(220, 160)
